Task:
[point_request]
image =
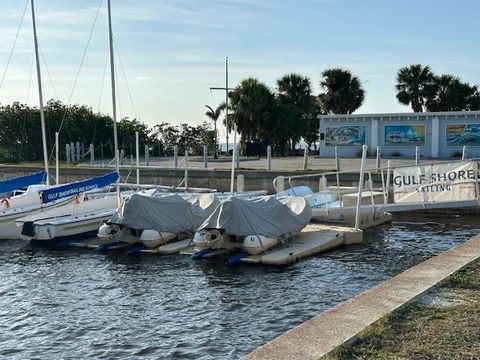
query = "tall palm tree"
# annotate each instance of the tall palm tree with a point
(253, 107)
(343, 92)
(449, 93)
(413, 86)
(214, 115)
(294, 92)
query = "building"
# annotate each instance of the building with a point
(437, 134)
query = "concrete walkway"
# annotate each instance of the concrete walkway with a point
(291, 163)
(339, 325)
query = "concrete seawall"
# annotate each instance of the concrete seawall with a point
(340, 325)
(217, 179)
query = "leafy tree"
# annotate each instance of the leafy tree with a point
(167, 135)
(413, 86)
(342, 92)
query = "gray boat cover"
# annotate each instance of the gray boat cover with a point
(263, 215)
(167, 213)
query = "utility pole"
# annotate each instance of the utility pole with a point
(226, 89)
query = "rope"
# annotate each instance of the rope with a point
(125, 78)
(78, 72)
(103, 83)
(14, 43)
(48, 71)
(30, 78)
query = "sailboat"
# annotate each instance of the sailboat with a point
(87, 212)
(29, 201)
(88, 209)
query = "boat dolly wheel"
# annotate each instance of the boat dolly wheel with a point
(214, 239)
(114, 233)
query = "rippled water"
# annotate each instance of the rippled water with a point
(79, 304)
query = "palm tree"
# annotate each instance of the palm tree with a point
(253, 108)
(294, 97)
(343, 92)
(449, 93)
(414, 84)
(214, 115)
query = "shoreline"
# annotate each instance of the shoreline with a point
(341, 325)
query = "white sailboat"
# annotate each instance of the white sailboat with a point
(30, 201)
(84, 215)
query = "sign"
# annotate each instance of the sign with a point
(63, 191)
(22, 181)
(400, 135)
(435, 182)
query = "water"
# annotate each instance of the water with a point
(80, 304)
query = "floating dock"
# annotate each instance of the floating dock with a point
(171, 247)
(312, 240)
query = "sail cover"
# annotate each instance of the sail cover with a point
(167, 213)
(264, 215)
(70, 189)
(22, 181)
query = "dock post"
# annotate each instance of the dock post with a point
(77, 150)
(269, 158)
(175, 156)
(322, 183)
(147, 155)
(417, 155)
(379, 155)
(387, 185)
(279, 184)
(337, 159)
(186, 166)
(122, 156)
(72, 152)
(57, 158)
(205, 156)
(92, 154)
(360, 186)
(240, 183)
(67, 152)
(237, 157)
(464, 152)
(137, 153)
(305, 159)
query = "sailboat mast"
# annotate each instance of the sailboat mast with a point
(226, 101)
(114, 104)
(40, 94)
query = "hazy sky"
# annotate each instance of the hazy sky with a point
(173, 51)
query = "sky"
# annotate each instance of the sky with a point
(170, 52)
